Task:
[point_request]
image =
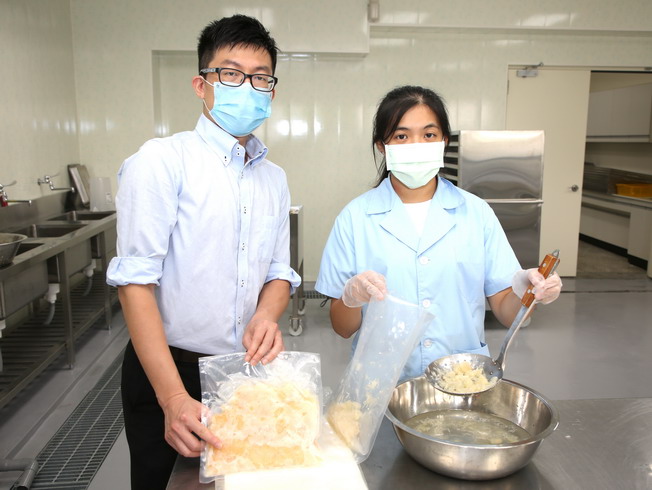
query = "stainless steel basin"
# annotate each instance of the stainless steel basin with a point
(48, 230)
(75, 216)
(9, 243)
(27, 246)
(24, 287)
(470, 461)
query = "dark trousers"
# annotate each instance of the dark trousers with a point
(151, 457)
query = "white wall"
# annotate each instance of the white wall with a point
(38, 128)
(326, 98)
(579, 15)
(632, 157)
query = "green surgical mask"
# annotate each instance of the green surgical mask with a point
(415, 164)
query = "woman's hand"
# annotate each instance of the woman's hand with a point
(361, 288)
(545, 290)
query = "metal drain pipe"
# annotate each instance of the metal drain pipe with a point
(51, 297)
(2, 326)
(88, 272)
(29, 467)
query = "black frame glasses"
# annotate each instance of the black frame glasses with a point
(231, 77)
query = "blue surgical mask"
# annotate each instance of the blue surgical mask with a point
(415, 164)
(239, 110)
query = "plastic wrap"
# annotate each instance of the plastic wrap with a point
(389, 332)
(267, 416)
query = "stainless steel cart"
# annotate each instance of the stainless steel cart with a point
(296, 262)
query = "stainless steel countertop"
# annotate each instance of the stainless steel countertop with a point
(51, 246)
(599, 444)
(615, 198)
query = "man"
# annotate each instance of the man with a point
(203, 249)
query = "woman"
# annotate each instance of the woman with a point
(418, 236)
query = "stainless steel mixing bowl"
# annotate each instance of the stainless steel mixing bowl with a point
(9, 243)
(509, 400)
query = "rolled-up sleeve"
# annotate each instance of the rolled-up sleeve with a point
(146, 203)
(134, 270)
(285, 273)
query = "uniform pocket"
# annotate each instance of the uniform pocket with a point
(483, 350)
(470, 272)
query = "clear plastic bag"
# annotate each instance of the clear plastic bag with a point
(390, 330)
(267, 416)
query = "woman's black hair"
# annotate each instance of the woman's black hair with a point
(392, 109)
(238, 30)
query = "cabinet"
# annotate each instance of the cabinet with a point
(613, 220)
(620, 114)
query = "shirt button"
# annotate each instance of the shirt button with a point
(242, 284)
(424, 260)
(243, 246)
(426, 303)
(238, 320)
(427, 343)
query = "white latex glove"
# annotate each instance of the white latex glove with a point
(362, 287)
(545, 290)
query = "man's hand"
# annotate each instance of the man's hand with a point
(183, 422)
(263, 340)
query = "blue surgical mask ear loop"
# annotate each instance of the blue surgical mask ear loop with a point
(204, 99)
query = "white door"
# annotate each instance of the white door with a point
(557, 101)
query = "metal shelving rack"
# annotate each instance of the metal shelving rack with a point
(30, 347)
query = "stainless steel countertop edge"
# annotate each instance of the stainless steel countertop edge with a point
(51, 246)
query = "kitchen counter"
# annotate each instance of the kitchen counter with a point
(618, 199)
(621, 221)
(64, 253)
(602, 443)
(50, 246)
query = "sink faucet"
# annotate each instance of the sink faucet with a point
(4, 199)
(47, 179)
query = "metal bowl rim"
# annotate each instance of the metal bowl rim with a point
(554, 423)
(19, 237)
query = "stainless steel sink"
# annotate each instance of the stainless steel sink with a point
(74, 216)
(24, 287)
(47, 230)
(27, 246)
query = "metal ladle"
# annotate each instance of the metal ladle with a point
(491, 368)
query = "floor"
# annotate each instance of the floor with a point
(593, 342)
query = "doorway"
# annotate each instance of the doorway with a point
(555, 100)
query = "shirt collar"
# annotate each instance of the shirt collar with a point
(447, 195)
(227, 147)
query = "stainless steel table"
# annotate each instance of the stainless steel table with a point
(600, 444)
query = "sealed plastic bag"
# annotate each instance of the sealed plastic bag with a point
(389, 332)
(267, 416)
(337, 471)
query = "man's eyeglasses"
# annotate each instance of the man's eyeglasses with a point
(234, 78)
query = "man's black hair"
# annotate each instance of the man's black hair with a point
(238, 30)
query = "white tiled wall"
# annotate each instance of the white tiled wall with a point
(628, 15)
(133, 62)
(38, 116)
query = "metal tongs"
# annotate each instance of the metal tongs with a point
(492, 369)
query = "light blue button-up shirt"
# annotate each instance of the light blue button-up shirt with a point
(461, 258)
(207, 228)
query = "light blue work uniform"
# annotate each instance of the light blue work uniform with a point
(462, 257)
(206, 225)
